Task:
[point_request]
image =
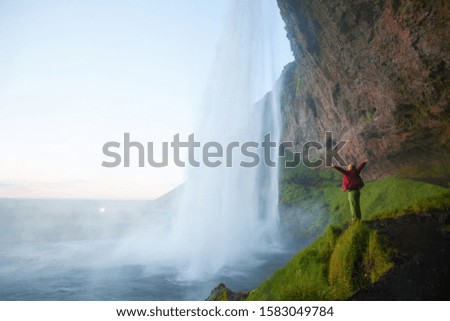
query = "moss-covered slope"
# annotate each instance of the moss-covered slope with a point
(312, 199)
(344, 259)
(332, 268)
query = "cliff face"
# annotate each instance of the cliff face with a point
(375, 73)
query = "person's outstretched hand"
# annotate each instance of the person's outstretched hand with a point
(366, 160)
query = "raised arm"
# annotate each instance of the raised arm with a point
(339, 169)
(361, 166)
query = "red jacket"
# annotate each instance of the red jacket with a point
(352, 180)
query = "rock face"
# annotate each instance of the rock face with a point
(375, 73)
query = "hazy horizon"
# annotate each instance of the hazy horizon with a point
(77, 74)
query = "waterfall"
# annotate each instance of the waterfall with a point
(227, 215)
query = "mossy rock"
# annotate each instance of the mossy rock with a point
(222, 293)
(332, 268)
(357, 260)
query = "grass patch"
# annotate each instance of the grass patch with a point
(304, 277)
(389, 197)
(317, 193)
(332, 268)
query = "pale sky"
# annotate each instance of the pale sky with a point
(77, 74)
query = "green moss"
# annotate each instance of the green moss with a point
(292, 194)
(298, 86)
(346, 263)
(222, 296)
(395, 196)
(302, 183)
(369, 116)
(304, 277)
(331, 268)
(376, 259)
(357, 260)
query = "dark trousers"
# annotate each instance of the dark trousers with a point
(353, 199)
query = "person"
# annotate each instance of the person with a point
(352, 184)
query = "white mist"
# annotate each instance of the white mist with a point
(227, 215)
(224, 228)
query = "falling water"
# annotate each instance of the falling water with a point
(226, 219)
(227, 215)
